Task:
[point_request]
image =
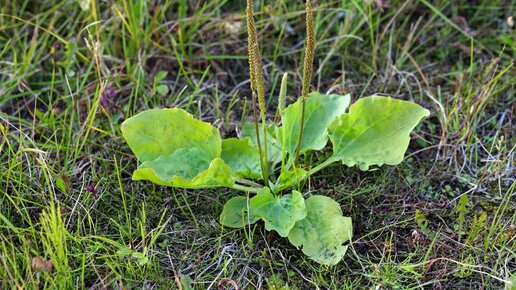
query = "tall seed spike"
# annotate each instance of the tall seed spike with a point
(255, 60)
(260, 88)
(309, 50)
(251, 42)
(307, 68)
(257, 86)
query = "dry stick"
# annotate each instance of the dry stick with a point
(307, 68)
(257, 87)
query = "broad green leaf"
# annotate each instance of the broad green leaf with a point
(176, 150)
(289, 178)
(323, 231)
(375, 131)
(236, 213)
(176, 171)
(274, 150)
(280, 213)
(320, 111)
(160, 132)
(242, 157)
(185, 163)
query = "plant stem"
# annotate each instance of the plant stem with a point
(246, 188)
(321, 166)
(248, 182)
(263, 162)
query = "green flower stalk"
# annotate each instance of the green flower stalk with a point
(307, 67)
(282, 94)
(282, 99)
(257, 86)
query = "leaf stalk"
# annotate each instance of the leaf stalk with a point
(246, 188)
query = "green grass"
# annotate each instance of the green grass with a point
(66, 193)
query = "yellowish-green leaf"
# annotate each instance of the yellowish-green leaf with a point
(289, 178)
(274, 150)
(217, 174)
(280, 213)
(176, 150)
(242, 157)
(160, 132)
(236, 213)
(376, 131)
(320, 111)
(323, 231)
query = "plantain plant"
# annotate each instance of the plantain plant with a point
(175, 149)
